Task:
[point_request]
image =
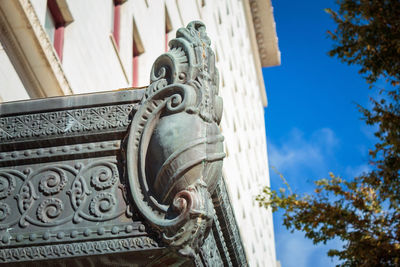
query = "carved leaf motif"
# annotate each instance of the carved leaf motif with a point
(104, 177)
(7, 184)
(78, 192)
(57, 194)
(101, 204)
(4, 211)
(53, 181)
(50, 209)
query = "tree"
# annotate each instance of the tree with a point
(364, 211)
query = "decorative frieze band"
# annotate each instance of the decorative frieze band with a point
(77, 249)
(220, 242)
(58, 151)
(64, 123)
(210, 253)
(75, 194)
(227, 217)
(71, 235)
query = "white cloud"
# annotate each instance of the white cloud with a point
(294, 250)
(302, 158)
(297, 154)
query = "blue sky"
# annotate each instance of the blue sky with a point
(312, 123)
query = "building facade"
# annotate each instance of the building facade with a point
(64, 47)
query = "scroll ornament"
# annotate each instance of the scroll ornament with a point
(175, 149)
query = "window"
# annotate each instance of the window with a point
(137, 50)
(54, 25)
(135, 65)
(49, 25)
(116, 20)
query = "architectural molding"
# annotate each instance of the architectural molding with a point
(65, 122)
(226, 216)
(263, 38)
(57, 251)
(64, 10)
(265, 32)
(30, 50)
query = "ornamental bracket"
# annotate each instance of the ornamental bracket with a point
(175, 149)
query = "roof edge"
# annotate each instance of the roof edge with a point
(265, 32)
(263, 39)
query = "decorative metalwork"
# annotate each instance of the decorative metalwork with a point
(49, 209)
(4, 211)
(101, 204)
(65, 150)
(175, 150)
(7, 184)
(76, 249)
(64, 170)
(226, 217)
(64, 122)
(209, 252)
(53, 181)
(220, 240)
(104, 176)
(56, 194)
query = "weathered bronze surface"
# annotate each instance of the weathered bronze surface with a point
(128, 177)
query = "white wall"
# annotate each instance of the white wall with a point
(11, 87)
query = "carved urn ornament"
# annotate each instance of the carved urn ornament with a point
(175, 148)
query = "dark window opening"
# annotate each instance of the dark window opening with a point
(137, 50)
(54, 26)
(116, 21)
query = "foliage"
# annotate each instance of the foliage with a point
(368, 34)
(355, 212)
(363, 212)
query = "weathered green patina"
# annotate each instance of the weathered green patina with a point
(129, 177)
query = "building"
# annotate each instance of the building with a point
(65, 47)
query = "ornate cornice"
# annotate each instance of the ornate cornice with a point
(263, 39)
(130, 171)
(265, 32)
